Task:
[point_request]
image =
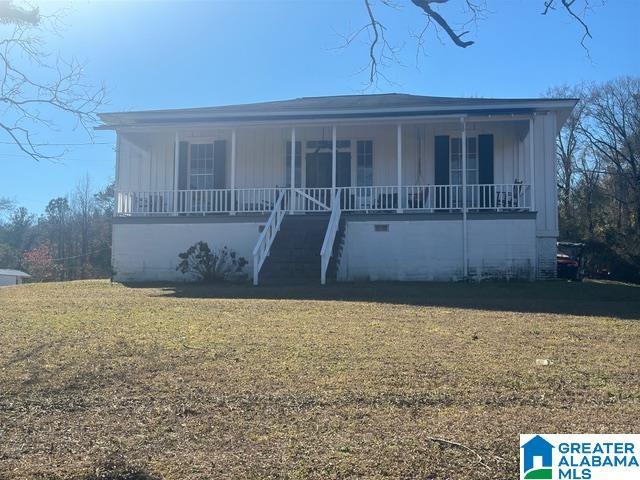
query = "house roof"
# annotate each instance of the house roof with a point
(343, 106)
(12, 273)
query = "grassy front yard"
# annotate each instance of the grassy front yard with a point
(307, 382)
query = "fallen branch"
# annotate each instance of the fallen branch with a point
(460, 445)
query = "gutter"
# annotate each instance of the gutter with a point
(213, 117)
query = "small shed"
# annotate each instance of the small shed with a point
(11, 277)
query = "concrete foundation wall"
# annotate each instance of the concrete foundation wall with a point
(149, 252)
(432, 250)
(374, 249)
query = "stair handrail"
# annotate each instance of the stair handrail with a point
(327, 246)
(268, 235)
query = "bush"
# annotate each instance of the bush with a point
(210, 266)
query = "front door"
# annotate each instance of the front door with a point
(318, 174)
(319, 169)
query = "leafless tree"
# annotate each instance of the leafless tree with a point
(612, 128)
(6, 205)
(83, 206)
(570, 145)
(382, 52)
(36, 85)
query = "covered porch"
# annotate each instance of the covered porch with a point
(407, 166)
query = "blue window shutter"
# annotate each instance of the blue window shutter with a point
(485, 159)
(442, 159)
(183, 165)
(219, 164)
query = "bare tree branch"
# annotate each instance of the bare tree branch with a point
(381, 53)
(568, 6)
(456, 38)
(35, 86)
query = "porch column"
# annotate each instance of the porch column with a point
(334, 157)
(232, 180)
(293, 167)
(399, 154)
(532, 165)
(464, 199)
(176, 172)
(118, 196)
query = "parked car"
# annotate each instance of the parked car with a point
(569, 260)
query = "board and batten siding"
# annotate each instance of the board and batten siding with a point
(146, 161)
(546, 193)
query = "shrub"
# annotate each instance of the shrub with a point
(211, 266)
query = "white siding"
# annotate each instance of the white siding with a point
(546, 194)
(146, 161)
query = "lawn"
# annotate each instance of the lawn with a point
(186, 382)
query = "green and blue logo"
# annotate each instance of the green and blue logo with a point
(537, 459)
(580, 457)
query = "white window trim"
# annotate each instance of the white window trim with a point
(451, 169)
(213, 168)
(356, 161)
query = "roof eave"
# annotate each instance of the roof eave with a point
(113, 121)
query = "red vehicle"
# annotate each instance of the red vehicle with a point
(569, 260)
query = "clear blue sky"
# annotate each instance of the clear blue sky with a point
(183, 54)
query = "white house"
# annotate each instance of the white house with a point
(381, 187)
(11, 277)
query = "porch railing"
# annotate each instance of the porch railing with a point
(327, 246)
(268, 235)
(426, 198)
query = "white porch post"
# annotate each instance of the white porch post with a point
(176, 172)
(399, 154)
(464, 199)
(334, 159)
(532, 165)
(118, 195)
(293, 167)
(232, 180)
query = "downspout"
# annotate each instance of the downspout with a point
(532, 194)
(233, 173)
(465, 252)
(293, 168)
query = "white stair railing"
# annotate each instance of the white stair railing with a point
(327, 246)
(268, 235)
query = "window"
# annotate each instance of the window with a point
(201, 166)
(365, 163)
(456, 161)
(287, 173)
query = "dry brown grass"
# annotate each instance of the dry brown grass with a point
(107, 381)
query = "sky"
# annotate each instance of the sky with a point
(176, 54)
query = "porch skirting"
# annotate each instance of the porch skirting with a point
(408, 247)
